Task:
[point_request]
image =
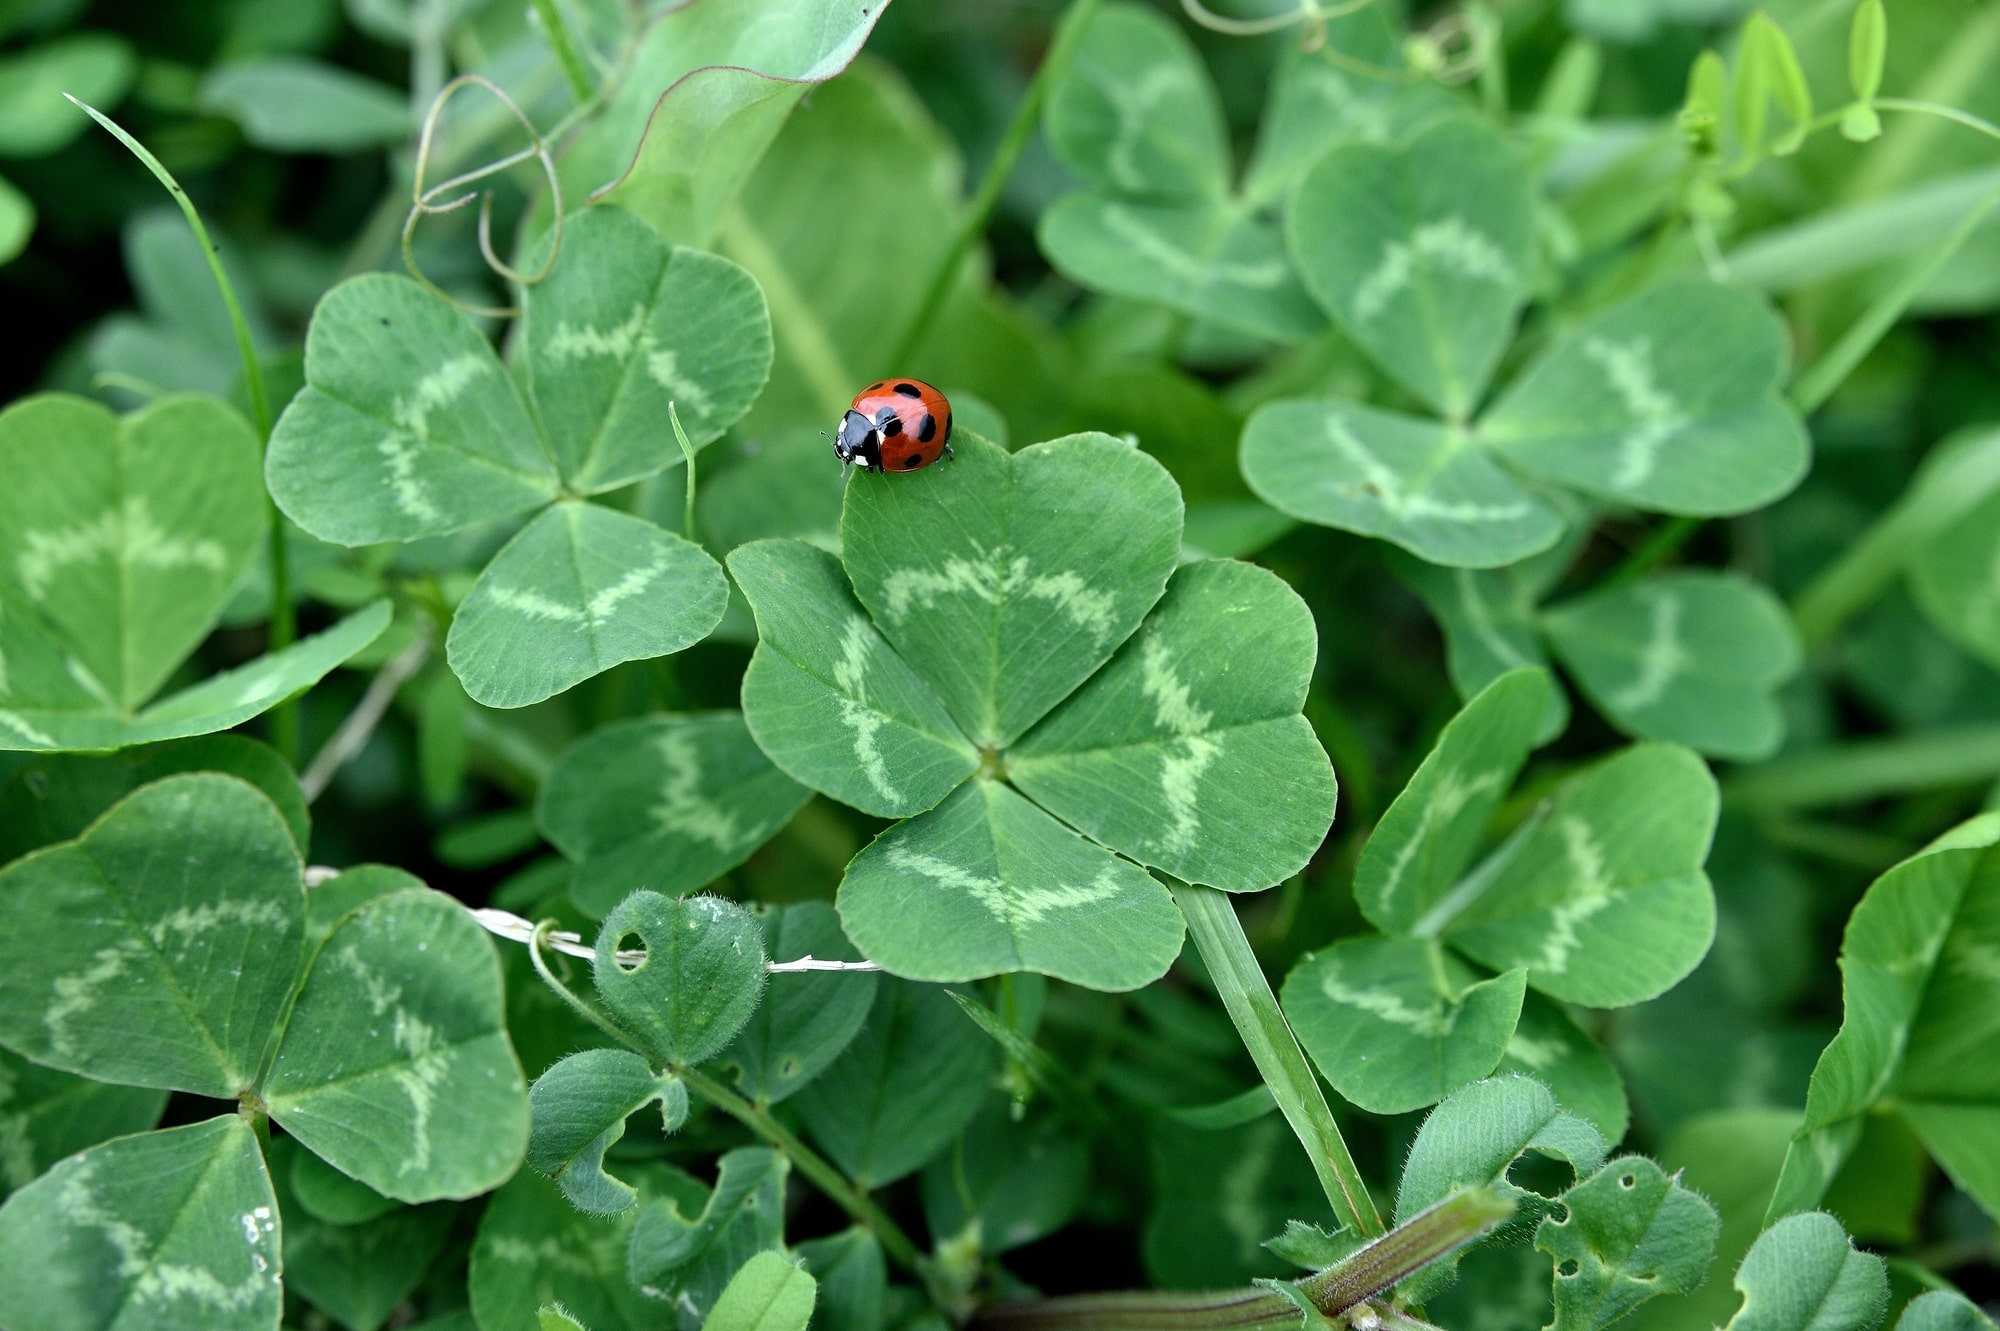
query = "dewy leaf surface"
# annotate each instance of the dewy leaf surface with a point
(395, 1066)
(1606, 903)
(125, 537)
(829, 700)
(807, 1017)
(1802, 1274)
(701, 977)
(1137, 111)
(158, 948)
(1005, 581)
(988, 883)
(626, 324)
(408, 425)
(1629, 1234)
(1422, 253)
(667, 802)
(1668, 401)
(582, 588)
(163, 1231)
(1187, 751)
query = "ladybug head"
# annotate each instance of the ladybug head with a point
(858, 442)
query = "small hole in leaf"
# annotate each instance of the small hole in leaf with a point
(1627, 1180)
(1559, 1214)
(790, 1067)
(1568, 1268)
(630, 953)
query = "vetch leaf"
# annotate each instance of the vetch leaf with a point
(1802, 1274)
(1421, 252)
(626, 324)
(408, 425)
(171, 1231)
(158, 948)
(1187, 751)
(580, 589)
(768, 1293)
(1691, 656)
(988, 883)
(1424, 485)
(667, 802)
(1137, 111)
(533, 1250)
(46, 1115)
(829, 700)
(294, 105)
(1668, 401)
(1606, 902)
(578, 1108)
(1942, 1309)
(807, 1017)
(1399, 1023)
(1004, 581)
(701, 977)
(395, 1066)
(1629, 1234)
(689, 1257)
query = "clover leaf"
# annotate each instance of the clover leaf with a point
(411, 426)
(1018, 620)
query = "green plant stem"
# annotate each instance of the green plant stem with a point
(1951, 113)
(979, 210)
(568, 54)
(1247, 995)
(687, 451)
(1868, 769)
(576, 1005)
(793, 319)
(1662, 543)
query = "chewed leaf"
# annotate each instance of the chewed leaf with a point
(1422, 252)
(124, 538)
(172, 1231)
(980, 573)
(582, 588)
(158, 948)
(987, 883)
(1690, 656)
(408, 425)
(1955, 572)
(1668, 401)
(833, 704)
(1803, 1274)
(577, 1109)
(700, 977)
(666, 802)
(1137, 111)
(1629, 1234)
(1398, 1023)
(1606, 902)
(1425, 486)
(395, 1066)
(1205, 257)
(1187, 751)
(807, 1017)
(626, 324)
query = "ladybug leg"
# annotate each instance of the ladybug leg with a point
(948, 453)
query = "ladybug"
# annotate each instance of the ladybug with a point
(895, 425)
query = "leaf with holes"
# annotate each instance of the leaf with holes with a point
(665, 802)
(582, 588)
(688, 1258)
(1803, 1274)
(1629, 1234)
(807, 1017)
(1136, 110)
(698, 982)
(395, 1066)
(577, 1110)
(158, 948)
(625, 325)
(172, 1231)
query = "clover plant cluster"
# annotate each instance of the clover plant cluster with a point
(1426, 760)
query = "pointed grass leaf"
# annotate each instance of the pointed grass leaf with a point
(534, 1250)
(683, 1257)
(1694, 657)
(807, 1017)
(157, 949)
(1422, 252)
(1425, 843)
(1005, 581)
(125, 537)
(699, 981)
(1629, 1233)
(46, 1115)
(1803, 1274)
(829, 700)
(1955, 572)
(582, 588)
(987, 883)
(1395, 1024)
(1187, 751)
(1668, 401)
(1606, 902)
(904, 1089)
(626, 324)
(576, 1110)
(665, 802)
(395, 1066)
(1137, 110)
(170, 1231)
(768, 1293)
(408, 425)
(1423, 485)
(1548, 1046)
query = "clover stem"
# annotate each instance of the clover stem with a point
(1835, 774)
(1247, 996)
(687, 451)
(1661, 544)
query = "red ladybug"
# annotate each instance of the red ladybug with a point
(895, 425)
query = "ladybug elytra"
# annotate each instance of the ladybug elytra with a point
(895, 425)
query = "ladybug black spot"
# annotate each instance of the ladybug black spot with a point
(912, 462)
(892, 427)
(909, 390)
(876, 386)
(927, 428)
